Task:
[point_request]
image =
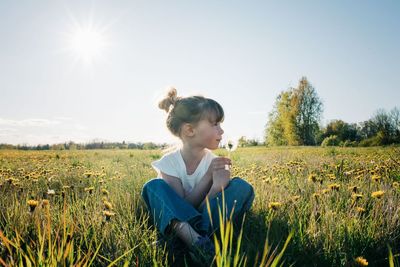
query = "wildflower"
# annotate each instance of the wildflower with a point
(360, 210)
(325, 191)
(89, 189)
(45, 202)
(377, 194)
(32, 204)
(108, 214)
(108, 205)
(51, 192)
(274, 205)
(312, 178)
(396, 184)
(104, 191)
(332, 176)
(231, 145)
(356, 196)
(316, 195)
(360, 261)
(353, 188)
(295, 198)
(334, 187)
(376, 178)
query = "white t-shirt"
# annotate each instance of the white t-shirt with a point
(172, 164)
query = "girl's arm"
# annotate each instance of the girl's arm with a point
(198, 193)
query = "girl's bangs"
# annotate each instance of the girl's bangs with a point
(214, 112)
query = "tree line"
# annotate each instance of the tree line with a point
(296, 115)
(91, 145)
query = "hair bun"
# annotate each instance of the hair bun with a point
(169, 100)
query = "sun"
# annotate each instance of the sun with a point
(87, 43)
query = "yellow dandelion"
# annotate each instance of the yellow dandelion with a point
(274, 205)
(334, 187)
(353, 188)
(360, 210)
(45, 202)
(396, 184)
(108, 214)
(325, 191)
(356, 196)
(108, 205)
(104, 191)
(32, 204)
(377, 194)
(312, 178)
(360, 261)
(316, 195)
(295, 198)
(89, 189)
(376, 178)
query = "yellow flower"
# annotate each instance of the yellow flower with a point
(356, 196)
(360, 261)
(104, 191)
(396, 184)
(334, 187)
(32, 204)
(295, 198)
(108, 205)
(377, 194)
(325, 191)
(360, 210)
(316, 195)
(312, 178)
(108, 214)
(89, 189)
(376, 178)
(274, 205)
(353, 188)
(45, 202)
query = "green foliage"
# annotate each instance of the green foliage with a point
(295, 116)
(314, 186)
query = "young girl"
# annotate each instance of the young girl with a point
(190, 175)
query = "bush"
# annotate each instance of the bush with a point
(348, 143)
(332, 140)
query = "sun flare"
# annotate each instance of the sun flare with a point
(88, 44)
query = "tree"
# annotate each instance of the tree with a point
(295, 117)
(343, 131)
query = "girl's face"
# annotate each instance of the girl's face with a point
(208, 134)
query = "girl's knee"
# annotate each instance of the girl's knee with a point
(153, 185)
(242, 185)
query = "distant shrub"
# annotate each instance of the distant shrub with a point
(332, 140)
(348, 143)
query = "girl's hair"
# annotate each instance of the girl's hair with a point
(190, 109)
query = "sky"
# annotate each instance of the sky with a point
(94, 70)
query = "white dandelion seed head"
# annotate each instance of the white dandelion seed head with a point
(231, 144)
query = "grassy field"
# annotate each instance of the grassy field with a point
(84, 207)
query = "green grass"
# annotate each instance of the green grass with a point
(317, 214)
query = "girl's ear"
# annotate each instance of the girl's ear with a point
(187, 130)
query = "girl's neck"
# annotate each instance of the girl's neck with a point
(192, 154)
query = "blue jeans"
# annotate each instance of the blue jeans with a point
(165, 205)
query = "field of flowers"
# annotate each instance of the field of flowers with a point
(341, 207)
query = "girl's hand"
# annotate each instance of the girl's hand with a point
(220, 176)
(218, 164)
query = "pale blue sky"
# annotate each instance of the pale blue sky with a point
(241, 53)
